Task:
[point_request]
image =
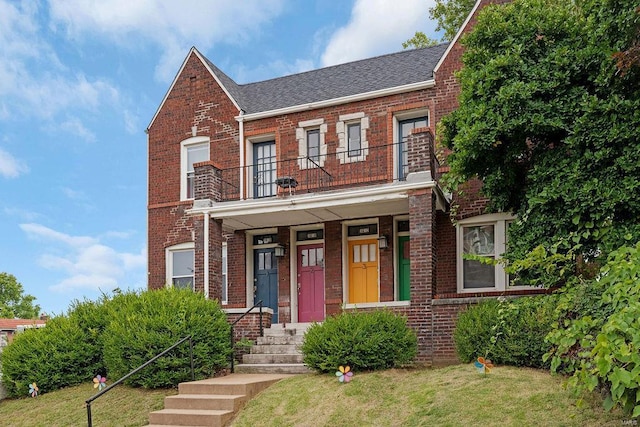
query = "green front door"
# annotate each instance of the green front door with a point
(403, 268)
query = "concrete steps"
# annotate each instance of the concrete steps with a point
(211, 402)
(278, 351)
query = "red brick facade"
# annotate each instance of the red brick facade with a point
(369, 191)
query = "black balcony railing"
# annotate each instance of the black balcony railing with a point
(332, 171)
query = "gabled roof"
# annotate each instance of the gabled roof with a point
(12, 324)
(343, 80)
(380, 73)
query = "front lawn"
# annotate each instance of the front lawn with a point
(452, 396)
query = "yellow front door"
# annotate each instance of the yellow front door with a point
(363, 271)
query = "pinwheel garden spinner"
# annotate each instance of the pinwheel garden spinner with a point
(483, 365)
(344, 374)
(33, 390)
(99, 382)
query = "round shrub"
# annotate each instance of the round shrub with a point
(55, 356)
(145, 324)
(509, 332)
(362, 340)
(474, 329)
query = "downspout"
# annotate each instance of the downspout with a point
(241, 138)
(207, 242)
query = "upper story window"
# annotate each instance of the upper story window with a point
(312, 148)
(193, 150)
(354, 142)
(180, 265)
(352, 138)
(313, 145)
(405, 127)
(264, 169)
(484, 236)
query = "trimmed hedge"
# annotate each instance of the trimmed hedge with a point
(143, 325)
(362, 340)
(113, 336)
(509, 332)
(55, 356)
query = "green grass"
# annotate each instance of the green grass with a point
(453, 396)
(121, 406)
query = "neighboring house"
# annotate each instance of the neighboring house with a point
(9, 327)
(318, 192)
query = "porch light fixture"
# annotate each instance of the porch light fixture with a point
(382, 242)
(279, 251)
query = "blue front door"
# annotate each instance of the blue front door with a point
(266, 280)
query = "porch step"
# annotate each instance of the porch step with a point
(264, 358)
(275, 348)
(211, 402)
(190, 417)
(273, 368)
(278, 351)
(280, 340)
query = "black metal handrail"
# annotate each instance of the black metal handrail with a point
(139, 368)
(233, 351)
(324, 172)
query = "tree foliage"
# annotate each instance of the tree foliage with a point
(13, 302)
(550, 125)
(597, 332)
(450, 15)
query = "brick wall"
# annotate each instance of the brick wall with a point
(194, 100)
(236, 271)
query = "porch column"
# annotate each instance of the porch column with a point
(208, 231)
(422, 217)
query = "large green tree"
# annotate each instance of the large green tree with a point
(13, 301)
(550, 123)
(450, 15)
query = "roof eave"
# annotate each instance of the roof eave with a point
(184, 63)
(337, 101)
(457, 36)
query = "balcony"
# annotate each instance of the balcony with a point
(332, 171)
(304, 190)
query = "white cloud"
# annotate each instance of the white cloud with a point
(85, 261)
(74, 126)
(24, 214)
(10, 167)
(35, 82)
(174, 26)
(377, 27)
(37, 231)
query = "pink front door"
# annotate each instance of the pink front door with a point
(310, 283)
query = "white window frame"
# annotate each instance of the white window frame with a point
(181, 247)
(500, 222)
(224, 274)
(184, 165)
(249, 170)
(398, 117)
(301, 136)
(342, 128)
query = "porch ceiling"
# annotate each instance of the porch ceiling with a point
(389, 199)
(297, 214)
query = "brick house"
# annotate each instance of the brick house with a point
(318, 192)
(9, 327)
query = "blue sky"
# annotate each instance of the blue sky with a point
(80, 81)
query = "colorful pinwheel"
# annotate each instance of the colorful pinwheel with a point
(484, 365)
(99, 382)
(33, 390)
(344, 374)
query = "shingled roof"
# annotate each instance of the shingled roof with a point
(353, 78)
